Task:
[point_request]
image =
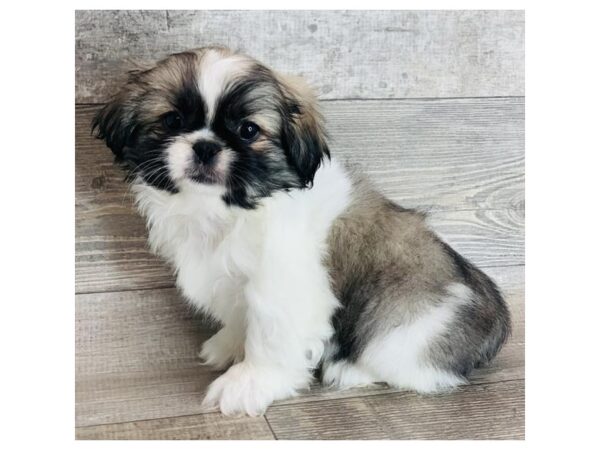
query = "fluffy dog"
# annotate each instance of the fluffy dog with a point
(302, 261)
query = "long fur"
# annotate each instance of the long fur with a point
(301, 260)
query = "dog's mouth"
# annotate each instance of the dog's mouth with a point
(198, 166)
(204, 174)
(213, 172)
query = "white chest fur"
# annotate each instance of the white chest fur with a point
(216, 250)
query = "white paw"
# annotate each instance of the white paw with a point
(344, 375)
(247, 389)
(222, 349)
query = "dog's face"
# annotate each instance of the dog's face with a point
(212, 116)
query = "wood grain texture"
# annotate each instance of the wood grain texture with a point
(485, 411)
(345, 54)
(489, 238)
(204, 426)
(436, 154)
(136, 355)
(462, 160)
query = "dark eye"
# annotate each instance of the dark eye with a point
(172, 121)
(249, 130)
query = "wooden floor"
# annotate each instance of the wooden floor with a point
(137, 371)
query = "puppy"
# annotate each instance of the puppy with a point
(302, 261)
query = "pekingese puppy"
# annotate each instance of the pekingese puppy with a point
(303, 262)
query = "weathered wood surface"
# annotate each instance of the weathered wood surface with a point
(345, 54)
(436, 154)
(484, 411)
(204, 426)
(461, 159)
(136, 355)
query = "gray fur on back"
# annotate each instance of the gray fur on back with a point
(387, 268)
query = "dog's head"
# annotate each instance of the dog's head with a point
(213, 116)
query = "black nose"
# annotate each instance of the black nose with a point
(206, 150)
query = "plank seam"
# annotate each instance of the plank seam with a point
(270, 427)
(265, 416)
(387, 99)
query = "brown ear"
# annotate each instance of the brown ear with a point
(303, 135)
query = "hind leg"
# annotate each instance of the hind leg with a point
(403, 358)
(400, 358)
(345, 375)
(374, 368)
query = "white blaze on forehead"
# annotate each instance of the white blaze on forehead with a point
(216, 71)
(204, 134)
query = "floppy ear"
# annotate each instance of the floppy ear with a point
(115, 124)
(303, 135)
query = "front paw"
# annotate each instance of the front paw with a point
(247, 389)
(222, 349)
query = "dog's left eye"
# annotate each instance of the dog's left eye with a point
(172, 121)
(249, 130)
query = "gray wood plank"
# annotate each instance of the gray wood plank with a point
(345, 54)
(204, 426)
(436, 154)
(486, 411)
(136, 355)
(461, 159)
(489, 238)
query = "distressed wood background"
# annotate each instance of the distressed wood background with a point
(344, 54)
(429, 103)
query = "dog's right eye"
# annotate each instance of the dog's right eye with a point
(172, 121)
(249, 130)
